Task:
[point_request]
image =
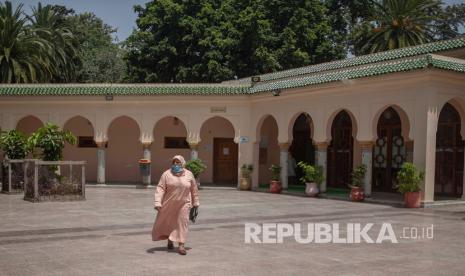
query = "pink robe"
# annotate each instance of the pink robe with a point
(175, 195)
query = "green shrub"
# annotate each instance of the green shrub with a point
(409, 178)
(275, 172)
(246, 170)
(196, 166)
(51, 140)
(313, 174)
(14, 144)
(358, 176)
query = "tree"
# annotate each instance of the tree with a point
(23, 54)
(402, 23)
(51, 140)
(212, 40)
(102, 60)
(64, 54)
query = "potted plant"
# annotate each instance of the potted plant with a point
(275, 184)
(196, 166)
(356, 185)
(313, 177)
(409, 179)
(246, 171)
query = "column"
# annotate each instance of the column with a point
(463, 182)
(320, 159)
(146, 180)
(424, 153)
(283, 160)
(194, 150)
(101, 163)
(367, 155)
(256, 165)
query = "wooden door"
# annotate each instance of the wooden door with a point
(449, 154)
(340, 151)
(225, 161)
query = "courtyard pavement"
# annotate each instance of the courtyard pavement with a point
(109, 234)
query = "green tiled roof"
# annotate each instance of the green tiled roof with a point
(366, 59)
(418, 62)
(121, 90)
(365, 66)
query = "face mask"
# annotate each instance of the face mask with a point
(176, 168)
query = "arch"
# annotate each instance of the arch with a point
(29, 124)
(66, 118)
(405, 122)
(260, 124)
(449, 152)
(329, 123)
(116, 117)
(229, 120)
(168, 126)
(123, 151)
(301, 147)
(293, 121)
(389, 150)
(219, 151)
(340, 150)
(459, 105)
(85, 149)
(269, 150)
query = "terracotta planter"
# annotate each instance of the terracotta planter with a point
(275, 187)
(412, 199)
(311, 189)
(244, 184)
(357, 194)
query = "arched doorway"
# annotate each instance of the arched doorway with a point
(449, 154)
(219, 151)
(389, 151)
(124, 149)
(302, 148)
(169, 139)
(85, 148)
(268, 152)
(340, 151)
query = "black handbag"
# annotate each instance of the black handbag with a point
(193, 214)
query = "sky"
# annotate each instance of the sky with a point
(116, 13)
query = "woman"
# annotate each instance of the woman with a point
(176, 193)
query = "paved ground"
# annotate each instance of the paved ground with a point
(109, 234)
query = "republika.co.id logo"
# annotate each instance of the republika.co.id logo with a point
(332, 233)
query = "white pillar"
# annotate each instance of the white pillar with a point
(424, 153)
(321, 160)
(256, 165)
(463, 182)
(367, 156)
(147, 180)
(283, 160)
(101, 163)
(194, 150)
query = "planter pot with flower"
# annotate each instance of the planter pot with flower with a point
(313, 177)
(409, 179)
(245, 182)
(275, 184)
(196, 166)
(356, 187)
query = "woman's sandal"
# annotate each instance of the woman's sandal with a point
(170, 245)
(182, 250)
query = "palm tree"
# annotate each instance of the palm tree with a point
(23, 55)
(396, 24)
(64, 53)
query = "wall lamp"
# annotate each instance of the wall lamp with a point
(276, 92)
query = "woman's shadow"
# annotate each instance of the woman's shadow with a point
(164, 249)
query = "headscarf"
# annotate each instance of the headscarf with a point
(180, 158)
